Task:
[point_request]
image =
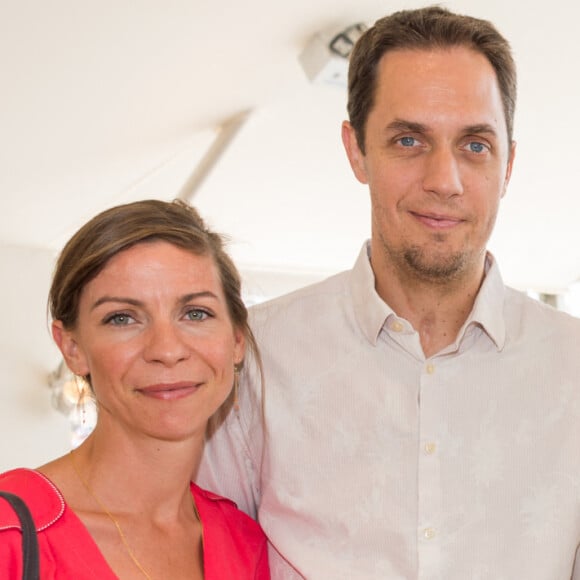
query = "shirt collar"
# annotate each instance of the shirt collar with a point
(487, 310)
(372, 312)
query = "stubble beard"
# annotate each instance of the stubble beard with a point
(428, 265)
(439, 270)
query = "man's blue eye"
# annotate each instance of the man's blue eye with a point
(407, 141)
(476, 147)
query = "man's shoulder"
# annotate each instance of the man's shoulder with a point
(534, 314)
(319, 296)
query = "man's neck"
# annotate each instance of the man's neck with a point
(436, 310)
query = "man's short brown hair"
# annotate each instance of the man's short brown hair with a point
(425, 29)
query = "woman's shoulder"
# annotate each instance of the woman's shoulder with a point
(228, 530)
(214, 502)
(223, 513)
(42, 497)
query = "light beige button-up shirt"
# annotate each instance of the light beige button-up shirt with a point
(377, 463)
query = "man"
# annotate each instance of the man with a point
(420, 420)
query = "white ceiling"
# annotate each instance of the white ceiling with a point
(110, 101)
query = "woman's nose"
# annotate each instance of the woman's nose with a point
(166, 344)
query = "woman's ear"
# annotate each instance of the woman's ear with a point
(70, 349)
(239, 346)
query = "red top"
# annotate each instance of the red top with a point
(234, 545)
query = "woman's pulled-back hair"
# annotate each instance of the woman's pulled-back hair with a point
(121, 227)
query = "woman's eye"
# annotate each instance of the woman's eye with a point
(196, 314)
(119, 319)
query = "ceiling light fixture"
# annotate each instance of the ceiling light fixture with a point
(325, 57)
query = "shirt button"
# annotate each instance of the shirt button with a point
(397, 326)
(430, 369)
(429, 533)
(430, 448)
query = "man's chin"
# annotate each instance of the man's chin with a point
(435, 267)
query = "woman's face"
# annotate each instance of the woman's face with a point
(155, 335)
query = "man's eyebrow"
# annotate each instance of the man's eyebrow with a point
(413, 127)
(480, 128)
(402, 125)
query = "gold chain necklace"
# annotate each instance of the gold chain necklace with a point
(111, 517)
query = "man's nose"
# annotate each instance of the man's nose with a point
(442, 173)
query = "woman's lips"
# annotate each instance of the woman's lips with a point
(170, 391)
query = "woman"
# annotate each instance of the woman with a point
(146, 308)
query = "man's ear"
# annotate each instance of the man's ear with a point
(353, 152)
(70, 349)
(510, 165)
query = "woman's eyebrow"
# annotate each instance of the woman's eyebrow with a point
(117, 299)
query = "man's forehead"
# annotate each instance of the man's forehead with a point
(438, 75)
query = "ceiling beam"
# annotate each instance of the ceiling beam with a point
(225, 135)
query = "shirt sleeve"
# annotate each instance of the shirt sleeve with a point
(576, 569)
(232, 455)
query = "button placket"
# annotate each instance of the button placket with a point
(429, 469)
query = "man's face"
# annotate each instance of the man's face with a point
(437, 161)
